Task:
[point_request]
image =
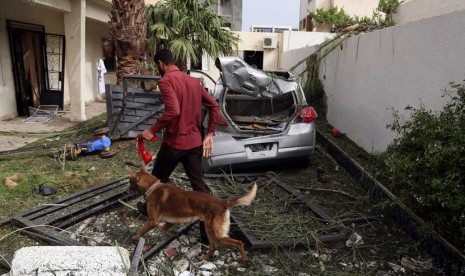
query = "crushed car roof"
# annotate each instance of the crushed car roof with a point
(243, 78)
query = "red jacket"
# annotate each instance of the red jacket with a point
(183, 97)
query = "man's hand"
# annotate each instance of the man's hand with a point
(208, 145)
(147, 134)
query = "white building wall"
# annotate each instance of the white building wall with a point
(50, 14)
(409, 64)
(352, 7)
(357, 7)
(298, 45)
(95, 31)
(30, 13)
(414, 10)
(303, 9)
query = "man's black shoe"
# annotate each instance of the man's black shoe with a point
(142, 208)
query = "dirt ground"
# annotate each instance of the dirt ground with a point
(16, 132)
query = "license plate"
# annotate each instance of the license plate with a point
(261, 150)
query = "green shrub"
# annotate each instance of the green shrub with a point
(338, 19)
(334, 16)
(426, 164)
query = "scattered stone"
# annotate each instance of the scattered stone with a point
(184, 273)
(181, 266)
(234, 264)
(91, 169)
(323, 257)
(193, 252)
(375, 249)
(416, 265)
(354, 240)
(205, 273)
(16, 177)
(269, 269)
(219, 262)
(396, 268)
(170, 252)
(10, 184)
(241, 269)
(208, 266)
(383, 273)
(174, 244)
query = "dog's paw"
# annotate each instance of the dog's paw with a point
(204, 257)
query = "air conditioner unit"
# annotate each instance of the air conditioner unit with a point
(270, 42)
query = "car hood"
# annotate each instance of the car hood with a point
(240, 77)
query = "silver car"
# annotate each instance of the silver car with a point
(267, 114)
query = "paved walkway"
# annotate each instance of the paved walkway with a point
(11, 129)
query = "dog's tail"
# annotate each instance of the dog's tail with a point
(244, 200)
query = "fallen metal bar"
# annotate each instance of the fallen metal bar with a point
(43, 232)
(5, 264)
(5, 221)
(154, 250)
(27, 149)
(254, 244)
(362, 219)
(448, 257)
(136, 257)
(41, 211)
(308, 203)
(95, 211)
(73, 210)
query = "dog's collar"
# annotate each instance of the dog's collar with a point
(151, 188)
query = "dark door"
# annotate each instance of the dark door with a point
(38, 66)
(27, 55)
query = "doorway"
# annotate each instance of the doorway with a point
(38, 66)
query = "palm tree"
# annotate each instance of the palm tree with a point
(189, 29)
(128, 30)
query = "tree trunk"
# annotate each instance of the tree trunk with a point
(128, 29)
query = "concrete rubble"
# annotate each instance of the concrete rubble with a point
(70, 260)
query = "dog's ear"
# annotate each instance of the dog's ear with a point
(131, 172)
(143, 168)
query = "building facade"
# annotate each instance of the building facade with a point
(49, 52)
(359, 8)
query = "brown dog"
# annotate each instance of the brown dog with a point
(174, 205)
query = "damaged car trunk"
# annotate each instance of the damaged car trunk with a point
(268, 117)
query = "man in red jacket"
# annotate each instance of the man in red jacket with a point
(183, 97)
